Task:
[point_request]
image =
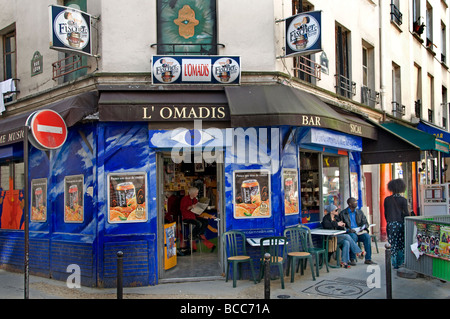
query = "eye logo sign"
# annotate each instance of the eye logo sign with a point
(191, 137)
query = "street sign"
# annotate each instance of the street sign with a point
(48, 130)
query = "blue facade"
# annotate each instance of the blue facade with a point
(98, 149)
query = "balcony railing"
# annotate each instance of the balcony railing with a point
(67, 65)
(369, 97)
(396, 15)
(345, 86)
(187, 48)
(418, 109)
(430, 115)
(398, 110)
(308, 67)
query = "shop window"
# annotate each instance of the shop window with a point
(4, 177)
(12, 172)
(310, 187)
(335, 180)
(187, 27)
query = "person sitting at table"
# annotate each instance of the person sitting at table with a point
(354, 220)
(333, 221)
(188, 202)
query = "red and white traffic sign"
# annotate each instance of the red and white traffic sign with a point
(48, 129)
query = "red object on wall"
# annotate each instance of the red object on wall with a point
(385, 177)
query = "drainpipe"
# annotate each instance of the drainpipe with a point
(382, 54)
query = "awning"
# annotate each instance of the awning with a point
(424, 141)
(72, 110)
(436, 131)
(262, 105)
(388, 148)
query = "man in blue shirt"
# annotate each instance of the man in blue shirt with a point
(355, 218)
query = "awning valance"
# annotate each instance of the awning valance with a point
(262, 105)
(72, 110)
(423, 140)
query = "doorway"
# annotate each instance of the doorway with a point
(181, 257)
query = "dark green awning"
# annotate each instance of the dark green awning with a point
(424, 141)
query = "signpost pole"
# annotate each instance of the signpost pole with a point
(26, 212)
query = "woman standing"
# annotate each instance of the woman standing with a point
(395, 209)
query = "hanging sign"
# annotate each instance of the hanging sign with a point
(304, 33)
(70, 30)
(48, 130)
(196, 70)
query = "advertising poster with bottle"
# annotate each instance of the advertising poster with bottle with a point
(290, 183)
(39, 200)
(252, 194)
(127, 197)
(73, 199)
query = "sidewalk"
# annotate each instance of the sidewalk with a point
(339, 283)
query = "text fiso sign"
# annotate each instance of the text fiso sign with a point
(48, 130)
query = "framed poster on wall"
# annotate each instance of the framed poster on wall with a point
(251, 194)
(73, 199)
(127, 197)
(39, 200)
(290, 184)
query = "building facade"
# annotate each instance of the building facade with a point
(159, 96)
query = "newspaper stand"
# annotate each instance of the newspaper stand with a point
(429, 237)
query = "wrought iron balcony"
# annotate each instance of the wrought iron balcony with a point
(67, 65)
(308, 67)
(398, 110)
(369, 97)
(396, 15)
(345, 86)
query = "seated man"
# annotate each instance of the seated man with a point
(353, 218)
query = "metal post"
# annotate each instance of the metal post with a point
(119, 275)
(388, 271)
(26, 213)
(266, 276)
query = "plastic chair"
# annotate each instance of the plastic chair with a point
(316, 251)
(275, 246)
(236, 254)
(294, 250)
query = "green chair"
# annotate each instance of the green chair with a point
(275, 246)
(316, 251)
(234, 243)
(295, 253)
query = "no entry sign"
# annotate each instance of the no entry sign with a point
(48, 129)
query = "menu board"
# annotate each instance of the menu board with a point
(252, 194)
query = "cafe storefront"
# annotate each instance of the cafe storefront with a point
(264, 157)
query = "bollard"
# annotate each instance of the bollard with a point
(119, 275)
(266, 276)
(388, 271)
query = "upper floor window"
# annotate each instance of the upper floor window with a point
(396, 15)
(418, 24)
(9, 56)
(187, 27)
(344, 84)
(429, 26)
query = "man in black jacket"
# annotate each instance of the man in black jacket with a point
(355, 218)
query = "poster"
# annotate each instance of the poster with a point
(73, 199)
(39, 200)
(252, 194)
(127, 197)
(423, 242)
(290, 183)
(444, 243)
(170, 249)
(433, 235)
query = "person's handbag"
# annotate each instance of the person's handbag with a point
(332, 244)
